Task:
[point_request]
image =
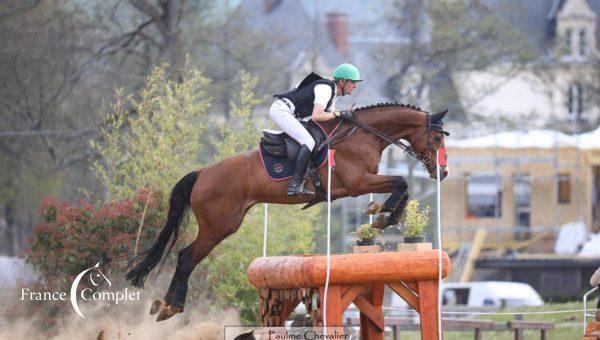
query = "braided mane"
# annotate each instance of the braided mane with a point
(390, 104)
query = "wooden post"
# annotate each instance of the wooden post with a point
(334, 315)
(518, 334)
(368, 329)
(395, 333)
(428, 304)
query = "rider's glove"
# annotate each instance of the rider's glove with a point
(343, 114)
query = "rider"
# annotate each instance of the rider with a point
(316, 101)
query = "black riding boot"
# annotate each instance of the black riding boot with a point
(297, 183)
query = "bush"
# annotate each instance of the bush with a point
(366, 235)
(415, 219)
(70, 239)
(153, 139)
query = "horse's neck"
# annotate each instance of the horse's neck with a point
(394, 121)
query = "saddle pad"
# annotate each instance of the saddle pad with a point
(280, 168)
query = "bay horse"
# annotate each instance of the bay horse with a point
(220, 195)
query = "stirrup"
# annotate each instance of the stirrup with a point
(294, 189)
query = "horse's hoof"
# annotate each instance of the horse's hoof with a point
(373, 208)
(381, 222)
(156, 306)
(168, 312)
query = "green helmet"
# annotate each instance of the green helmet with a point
(347, 71)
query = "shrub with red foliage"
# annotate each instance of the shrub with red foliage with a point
(71, 238)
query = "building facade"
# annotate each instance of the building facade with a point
(521, 183)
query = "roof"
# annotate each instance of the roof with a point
(294, 21)
(528, 16)
(540, 139)
(536, 18)
(538, 260)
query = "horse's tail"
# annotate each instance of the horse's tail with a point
(179, 204)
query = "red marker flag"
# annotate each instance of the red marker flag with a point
(442, 159)
(332, 157)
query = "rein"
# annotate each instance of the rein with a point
(426, 160)
(342, 135)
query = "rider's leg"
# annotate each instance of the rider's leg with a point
(296, 186)
(282, 115)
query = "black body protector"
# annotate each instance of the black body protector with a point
(303, 98)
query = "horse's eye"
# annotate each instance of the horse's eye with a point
(438, 139)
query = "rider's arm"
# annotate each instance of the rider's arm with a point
(319, 114)
(322, 95)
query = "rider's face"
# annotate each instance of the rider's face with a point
(349, 86)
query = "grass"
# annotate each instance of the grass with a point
(566, 326)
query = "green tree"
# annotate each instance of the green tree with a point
(153, 140)
(46, 111)
(445, 37)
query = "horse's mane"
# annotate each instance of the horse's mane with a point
(390, 104)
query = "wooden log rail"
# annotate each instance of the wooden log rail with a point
(285, 281)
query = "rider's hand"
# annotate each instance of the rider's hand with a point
(342, 114)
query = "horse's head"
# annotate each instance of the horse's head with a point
(427, 140)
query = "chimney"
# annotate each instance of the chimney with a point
(337, 26)
(269, 5)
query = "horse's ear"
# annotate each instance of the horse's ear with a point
(436, 117)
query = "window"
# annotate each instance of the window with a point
(568, 41)
(582, 43)
(484, 196)
(455, 296)
(575, 99)
(564, 188)
(522, 191)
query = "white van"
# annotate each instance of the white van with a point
(497, 294)
(478, 294)
(494, 294)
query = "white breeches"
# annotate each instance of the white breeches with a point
(283, 116)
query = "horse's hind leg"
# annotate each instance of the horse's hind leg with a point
(209, 236)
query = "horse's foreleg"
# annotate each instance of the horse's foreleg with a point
(398, 208)
(394, 205)
(384, 220)
(398, 198)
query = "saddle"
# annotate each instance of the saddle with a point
(278, 152)
(278, 143)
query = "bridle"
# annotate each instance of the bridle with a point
(427, 160)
